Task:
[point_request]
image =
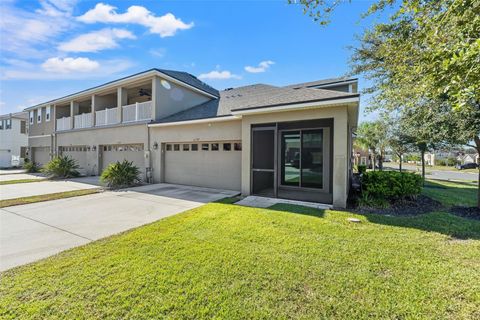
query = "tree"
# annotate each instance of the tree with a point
(371, 136)
(397, 140)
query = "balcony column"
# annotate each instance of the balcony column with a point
(54, 111)
(121, 101)
(94, 120)
(155, 91)
(73, 111)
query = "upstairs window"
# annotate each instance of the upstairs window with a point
(1, 124)
(47, 114)
(31, 117)
(39, 115)
(8, 124)
(23, 126)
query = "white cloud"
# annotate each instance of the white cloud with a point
(159, 52)
(29, 34)
(218, 75)
(67, 65)
(166, 25)
(96, 40)
(262, 67)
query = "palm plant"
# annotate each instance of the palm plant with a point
(120, 174)
(61, 167)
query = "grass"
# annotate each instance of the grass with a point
(226, 261)
(20, 181)
(46, 197)
(451, 193)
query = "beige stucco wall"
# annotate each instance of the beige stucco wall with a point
(173, 100)
(340, 144)
(45, 127)
(126, 134)
(190, 133)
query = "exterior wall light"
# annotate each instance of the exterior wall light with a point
(155, 145)
(94, 148)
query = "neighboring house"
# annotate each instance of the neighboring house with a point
(291, 142)
(13, 139)
(467, 158)
(361, 157)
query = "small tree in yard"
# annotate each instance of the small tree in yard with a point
(372, 136)
(120, 174)
(61, 167)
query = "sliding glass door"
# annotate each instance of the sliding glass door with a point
(302, 158)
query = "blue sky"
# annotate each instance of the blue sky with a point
(51, 48)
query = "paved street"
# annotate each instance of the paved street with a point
(35, 231)
(437, 174)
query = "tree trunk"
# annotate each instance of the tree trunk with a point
(423, 166)
(400, 164)
(477, 143)
(373, 159)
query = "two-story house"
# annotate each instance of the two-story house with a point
(13, 139)
(291, 142)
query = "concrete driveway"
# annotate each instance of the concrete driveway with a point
(11, 191)
(35, 231)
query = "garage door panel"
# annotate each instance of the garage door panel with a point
(79, 154)
(129, 152)
(212, 169)
(41, 155)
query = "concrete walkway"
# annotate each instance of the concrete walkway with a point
(11, 191)
(35, 231)
(264, 202)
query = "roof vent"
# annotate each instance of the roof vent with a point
(228, 89)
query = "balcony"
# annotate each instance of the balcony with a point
(83, 120)
(106, 117)
(137, 111)
(64, 124)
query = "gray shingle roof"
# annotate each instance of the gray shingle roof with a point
(319, 82)
(190, 79)
(253, 97)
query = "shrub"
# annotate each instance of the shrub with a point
(120, 174)
(61, 167)
(362, 168)
(31, 166)
(383, 186)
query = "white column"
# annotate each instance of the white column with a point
(94, 120)
(73, 112)
(121, 101)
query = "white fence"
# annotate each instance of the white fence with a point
(64, 124)
(137, 111)
(106, 117)
(83, 120)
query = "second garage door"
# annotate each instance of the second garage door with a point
(41, 155)
(119, 152)
(79, 154)
(208, 164)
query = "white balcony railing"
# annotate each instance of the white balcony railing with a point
(106, 117)
(64, 124)
(137, 112)
(83, 120)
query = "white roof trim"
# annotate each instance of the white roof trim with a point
(297, 106)
(119, 83)
(187, 122)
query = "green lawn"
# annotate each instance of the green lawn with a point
(229, 262)
(451, 193)
(46, 197)
(20, 181)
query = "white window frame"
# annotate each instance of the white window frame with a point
(31, 116)
(8, 124)
(47, 114)
(39, 115)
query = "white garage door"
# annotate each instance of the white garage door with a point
(204, 164)
(119, 152)
(41, 155)
(79, 154)
(5, 158)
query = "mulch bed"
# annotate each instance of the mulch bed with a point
(466, 212)
(422, 205)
